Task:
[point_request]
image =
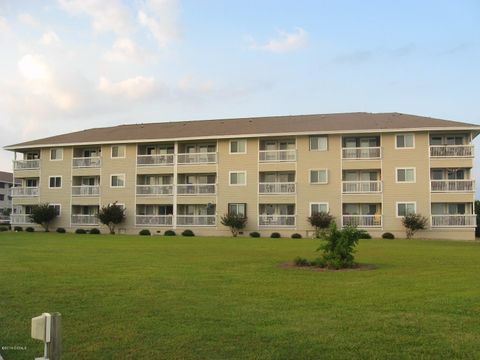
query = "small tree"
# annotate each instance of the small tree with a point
(477, 211)
(111, 215)
(413, 223)
(235, 222)
(43, 215)
(320, 221)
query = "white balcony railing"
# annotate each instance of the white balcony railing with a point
(197, 158)
(277, 155)
(362, 153)
(276, 188)
(362, 220)
(452, 185)
(155, 160)
(465, 220)
(5, 219)
(86, 162)
(19, 191)
(81, 219)
(196, 220)
(18, 219)
(152, 190)
(154, 220)
(276, 220)
(26, 164)
(196, 189)
(451, 151)
(86, 190)
(361, 187)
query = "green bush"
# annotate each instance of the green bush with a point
(364, 234)
(94, 231)
(17, 228)
(3, 228)
(111, 215)
(299, 261)
(318, 262)
(275, 235)
(144, 232)
(388, 235)
(296, 236)
(320, 221)
(170, 233)
(235, 222)
(29, 229)
(61, 230)
(188, 232)
(80, 231)
(43, 215)
(255, 234)
(413, 223)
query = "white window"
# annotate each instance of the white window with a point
(318, 143)
(316, 208)
(238, 146)
(54, 182)
(405, 141)
(56, 154)
(406, 175)
(57, 208)
(117, 180)
(405, 208)
(319, 176)
(118, 151)
(238, 178)
(238, 209)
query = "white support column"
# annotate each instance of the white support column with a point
(175, 182)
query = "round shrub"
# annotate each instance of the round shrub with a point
(144, 232)
(296, 236)
(3, 228)
(17, 228)
(80, 231)
(188, 232)
(94, 231)
(254, 234)
(299, 261)
(388, 235)
(363, 234)
(61, 230)
(170, 233)
(275, 235)
(29, 229)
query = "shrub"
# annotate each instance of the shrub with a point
(318, 262)
(17, 228)
(188, 232)
(255, 234)
(3, 228)
(43, 215)
(29, 229)
(388, 235)
(320, 221)
(111, 215)
(299, 261)
(80, 231)
(94, 231)
(364, 234)
(413, 223)
(477, 211)
(170, 233)
(61, 230)
(296, 236)
(275, 235)
(144, 232)
(235, 222)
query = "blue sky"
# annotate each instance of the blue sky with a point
(71, 64)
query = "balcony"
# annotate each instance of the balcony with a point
(155, 160)
(362, 153)
(196, 220)
(196, 189)
(452, 185)
(154, 220)
(153, 190)
(81, 219)
(197, 158)
(276, 188)
(362, 220)
(26, 164)
(25, 191)
(443, 151)
(18, 219)
(86, 190)
(361, 187)
(277, 155)
(86, 162)
(462, 220)
(276, 220)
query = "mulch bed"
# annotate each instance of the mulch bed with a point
(358, 267)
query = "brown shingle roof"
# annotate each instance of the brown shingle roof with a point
(263, 126)
(6, 177)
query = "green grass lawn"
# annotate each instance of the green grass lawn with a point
(132, 297)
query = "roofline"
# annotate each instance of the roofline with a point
(237, 136)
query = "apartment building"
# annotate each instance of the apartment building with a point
(6, 182)
(366, 169)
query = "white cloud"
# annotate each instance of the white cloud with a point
(125, 50)
(160, 17)
(50, 38)
(28, 19)
(107, 15)
(285, 42)
(4, 27)
(133, 89)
